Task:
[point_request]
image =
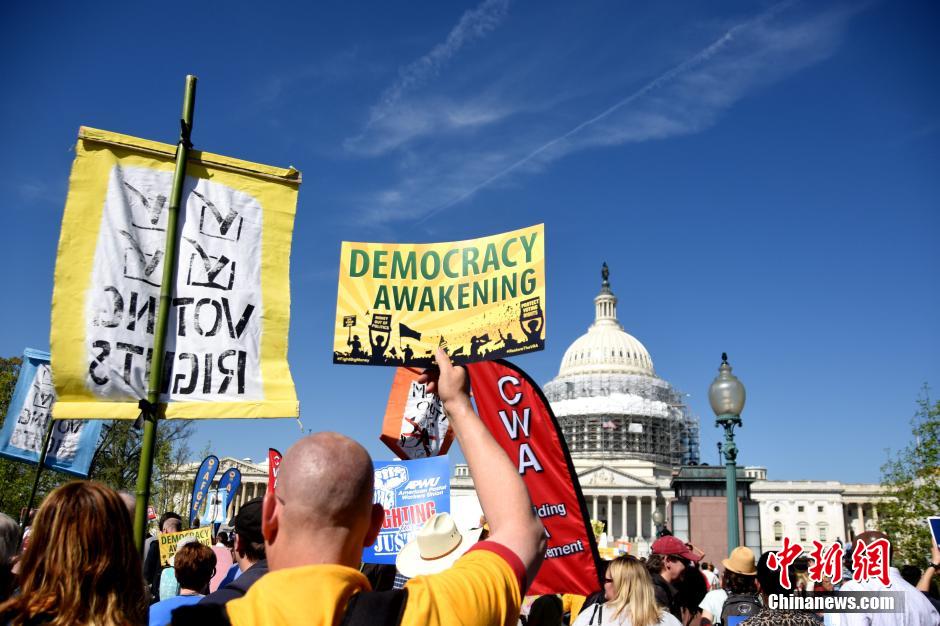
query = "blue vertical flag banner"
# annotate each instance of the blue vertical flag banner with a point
(228, 486)
(201, 484)
(410, 492)
(72, 442)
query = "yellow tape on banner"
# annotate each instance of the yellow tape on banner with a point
(228, 326)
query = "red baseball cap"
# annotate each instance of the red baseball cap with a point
(674, 546)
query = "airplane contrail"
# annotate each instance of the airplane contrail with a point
(700, 57)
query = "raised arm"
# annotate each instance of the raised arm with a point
(503, 494)
(932, 570)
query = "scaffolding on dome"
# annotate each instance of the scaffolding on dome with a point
(625, 416)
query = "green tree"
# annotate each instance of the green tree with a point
(912, 478)
(118, 457)
(115, 462)
(16, 477)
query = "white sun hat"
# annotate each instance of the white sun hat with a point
(436, 547)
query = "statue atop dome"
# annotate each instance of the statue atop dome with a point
(605, 275)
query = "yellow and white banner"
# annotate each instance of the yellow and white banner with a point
(226, 342)
(480, 299)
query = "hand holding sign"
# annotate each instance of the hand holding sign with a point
(448, 381)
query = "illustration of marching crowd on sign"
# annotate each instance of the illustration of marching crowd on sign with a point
(380, 330)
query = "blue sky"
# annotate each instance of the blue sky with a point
(761, 178)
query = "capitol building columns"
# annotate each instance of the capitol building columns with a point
(625, 516)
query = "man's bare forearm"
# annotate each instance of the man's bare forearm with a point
(501, 490)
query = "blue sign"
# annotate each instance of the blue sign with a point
(228, 487)
(72, 443)
(201, 484)
(410, 492)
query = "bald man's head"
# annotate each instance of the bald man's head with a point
(325, 480)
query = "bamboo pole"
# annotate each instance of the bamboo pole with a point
(151, 410)
(39, 466)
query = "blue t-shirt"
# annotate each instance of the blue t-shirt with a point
(160, 612)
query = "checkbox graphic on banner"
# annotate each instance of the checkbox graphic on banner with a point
(219, 223)
(43, 397)
(140, 264)
(205, 270)
(148, 212)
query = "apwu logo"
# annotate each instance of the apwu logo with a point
(387, 480)
(424, 483)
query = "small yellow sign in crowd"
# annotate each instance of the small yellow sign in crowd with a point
(169, 541)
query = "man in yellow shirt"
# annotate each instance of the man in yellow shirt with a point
(322, 516)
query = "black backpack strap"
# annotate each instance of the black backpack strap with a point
(200, 615)
(376, 608)
(598, 613)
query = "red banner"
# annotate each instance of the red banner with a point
(517, 414)
(274, 463)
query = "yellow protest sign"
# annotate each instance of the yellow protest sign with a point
(168, 542)
(226, 346)
(481, 299)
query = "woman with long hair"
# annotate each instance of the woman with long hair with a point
(629, 598)
(81, 567)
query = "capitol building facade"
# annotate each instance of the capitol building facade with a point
(635, 447)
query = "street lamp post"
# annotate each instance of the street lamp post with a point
(660, 520)
(727, 395)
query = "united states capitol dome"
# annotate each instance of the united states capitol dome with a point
(609, 401)
(606, 347)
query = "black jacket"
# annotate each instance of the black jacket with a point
(667, 596)
(152, 570)
(238, 587)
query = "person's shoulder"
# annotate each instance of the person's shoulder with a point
(486, 558)
(237, 588)
(200, 615)
(222, 595)
(668, 619)
(483, 586)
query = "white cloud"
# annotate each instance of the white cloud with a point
(396, 119)
(688, 98)
(434, 116)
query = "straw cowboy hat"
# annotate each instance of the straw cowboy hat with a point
(436, 547)
(741, 561)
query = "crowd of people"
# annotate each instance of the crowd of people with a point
(294, 557)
